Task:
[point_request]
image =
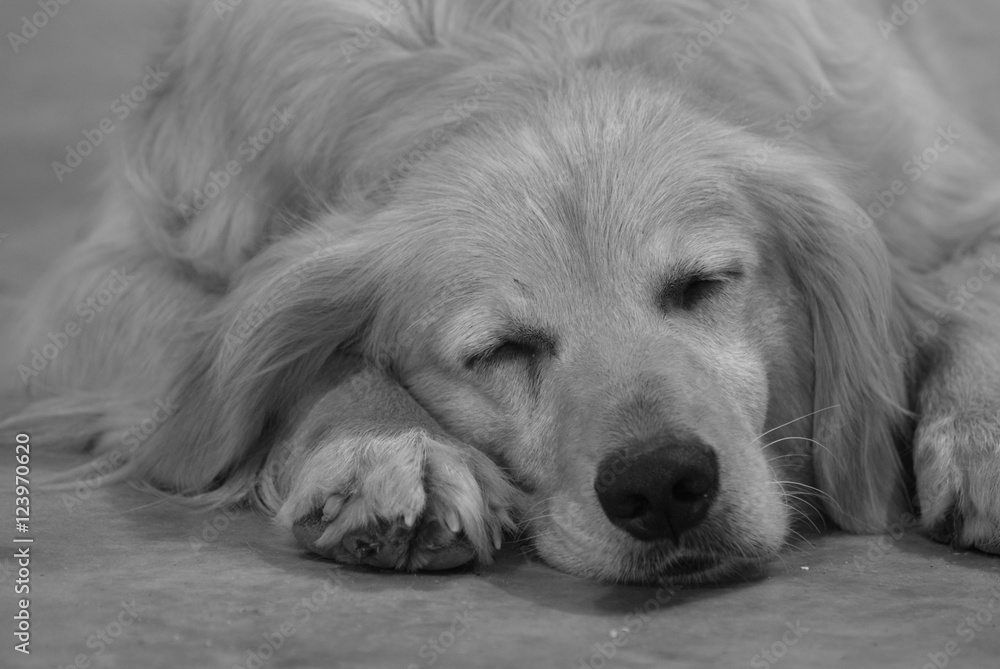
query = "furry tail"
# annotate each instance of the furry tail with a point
(89, 423)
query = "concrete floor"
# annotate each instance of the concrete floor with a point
(209, 590)
(120, 580)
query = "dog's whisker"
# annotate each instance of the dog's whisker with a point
(804, 498)
(538, 517)
(528, 519)
(822, 446)
(778, 441)
(810, 492)
(527, 514)
(762, 434)
(785, 456)
(810, 489)
(798, 513)
(800, 537)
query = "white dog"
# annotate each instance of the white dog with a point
(649, 280)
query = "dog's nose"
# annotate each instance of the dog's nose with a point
(660, 491)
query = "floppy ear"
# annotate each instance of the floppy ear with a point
(268, 345)
(859, 320)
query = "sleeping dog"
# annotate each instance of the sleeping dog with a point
(649, 282)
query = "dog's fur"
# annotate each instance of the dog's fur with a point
(496, 242)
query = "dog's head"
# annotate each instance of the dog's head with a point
(675, 353)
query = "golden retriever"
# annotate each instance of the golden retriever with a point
(650, 282)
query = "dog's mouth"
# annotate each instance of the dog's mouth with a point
(686, 568)
(624, 560)
(692, 565)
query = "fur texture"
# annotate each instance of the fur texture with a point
(406, 275)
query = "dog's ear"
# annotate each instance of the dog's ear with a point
(268, 345)
(838, 261)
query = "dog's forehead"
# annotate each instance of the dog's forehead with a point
(567, 197)
(514, 244)
(585, 210)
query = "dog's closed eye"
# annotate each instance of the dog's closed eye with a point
(691, 291)
(523, 346)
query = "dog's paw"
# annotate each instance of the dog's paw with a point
(407, 501)
(957, 463)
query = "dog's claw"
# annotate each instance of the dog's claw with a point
(497, 538)
(388, 546)
(451, 520)
(332, 507)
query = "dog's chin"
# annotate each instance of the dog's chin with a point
(642, 563)
(650, 563)
(720, 550)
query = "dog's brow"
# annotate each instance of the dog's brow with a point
(704, 267)
(519, 333)
(479, 334)
(526, 334)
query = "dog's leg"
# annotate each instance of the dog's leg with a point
(368, 477)
(957, 443)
